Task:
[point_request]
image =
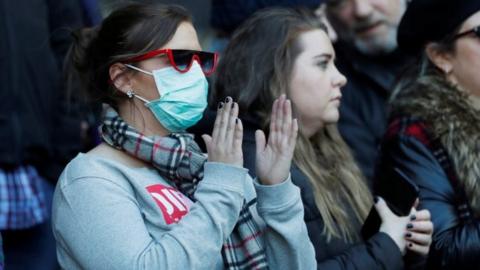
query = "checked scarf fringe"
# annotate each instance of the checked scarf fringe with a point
(179, 159)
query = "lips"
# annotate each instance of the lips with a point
(337, 98)
(365, 28)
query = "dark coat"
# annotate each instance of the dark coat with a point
(434, 138)
(363, 110)
(379, 252)
(36, 124)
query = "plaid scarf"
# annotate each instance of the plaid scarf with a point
(179, 159)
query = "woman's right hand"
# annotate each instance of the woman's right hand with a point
(393, 225)
(274, 156)
(225, 144)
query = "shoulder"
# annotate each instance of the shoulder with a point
(85, 166)
(408, 127)
(410, 146)
(100, 169)
(409, 139)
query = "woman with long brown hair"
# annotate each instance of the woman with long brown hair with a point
(286, 52)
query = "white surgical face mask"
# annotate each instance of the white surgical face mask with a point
(183, 96)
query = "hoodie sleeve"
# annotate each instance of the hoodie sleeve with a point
(287, 242)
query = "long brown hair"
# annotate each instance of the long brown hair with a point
(255, 69)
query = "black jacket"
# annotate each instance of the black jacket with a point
(36, 124)
(456, 232)
(379, 252)
(363, 111)
(434, 139)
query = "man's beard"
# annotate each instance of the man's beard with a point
(377, 45)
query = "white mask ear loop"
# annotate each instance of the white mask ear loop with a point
(131, 92)
(139, 69)
(139, 97)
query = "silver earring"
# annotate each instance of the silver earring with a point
(130, 93)
(446, 69)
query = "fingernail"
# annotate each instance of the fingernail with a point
(228, 99)
(410, 245)
(375, 199)
(409, 225)
(236, 121)
(413, 217)
(220, 105)
(408, 235)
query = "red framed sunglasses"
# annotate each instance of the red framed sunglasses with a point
(182, 60)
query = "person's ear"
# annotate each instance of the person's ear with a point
(442, 60)
(120, 78)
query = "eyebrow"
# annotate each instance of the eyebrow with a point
(324, 55)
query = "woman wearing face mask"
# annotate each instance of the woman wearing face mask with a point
(434, 130)
(335, 196)
(147, 198)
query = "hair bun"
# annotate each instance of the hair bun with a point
(81, 48)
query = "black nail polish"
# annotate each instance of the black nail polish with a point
(220, 105)
(410, 245)
(408, 235)
(236, 121)
(228, 99)
(413, 217)
(375, 199)
(409, 225)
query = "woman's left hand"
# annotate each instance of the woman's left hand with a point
(419, 232)
(274, 157)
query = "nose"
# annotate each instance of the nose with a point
(339, 80)
(363, 8)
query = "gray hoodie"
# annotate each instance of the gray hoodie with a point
(110, 216)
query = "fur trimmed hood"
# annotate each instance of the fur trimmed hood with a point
(452, 119)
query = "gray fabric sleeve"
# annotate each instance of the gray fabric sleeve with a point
(101, 227)
(287, 242)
